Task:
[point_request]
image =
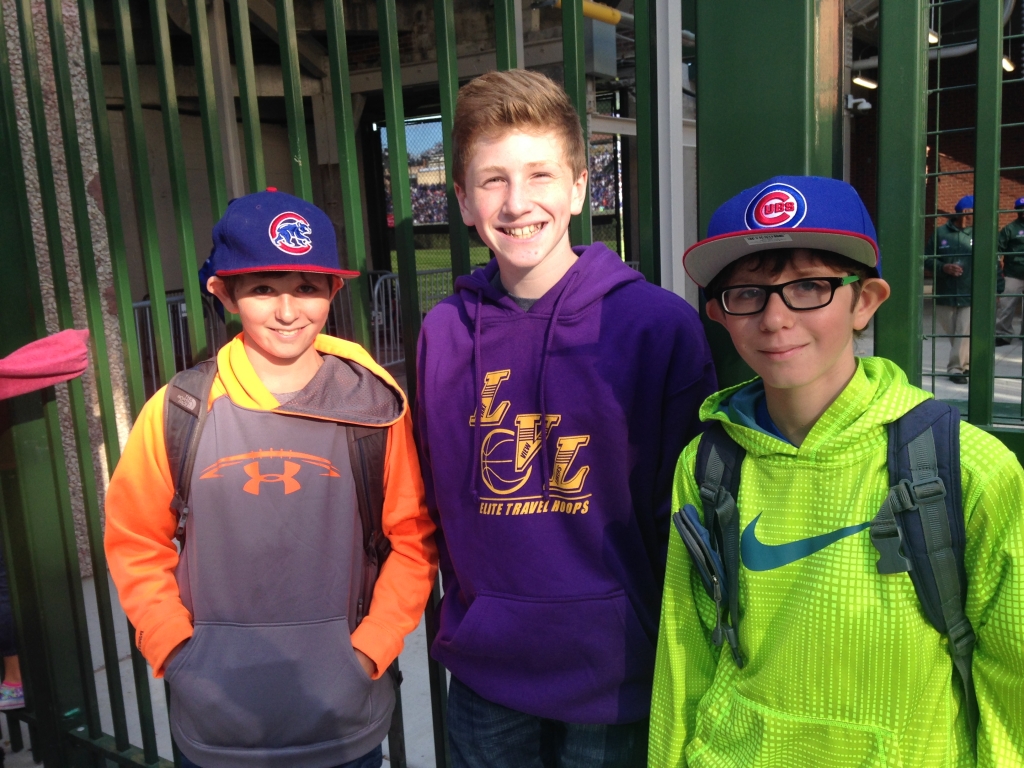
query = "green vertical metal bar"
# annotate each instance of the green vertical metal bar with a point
(146, 212)
(902, 116)
(981, 389)
(348, 166)
(135, 130)
(208, 108)
(83, 229)
(574, 59)
(448, 85)
(505, 32)
(769, 130)
(111, 210)
(179, 179)
(394, 111)
(297, 143)
(101, 366)
(247, 95)
(647, 143)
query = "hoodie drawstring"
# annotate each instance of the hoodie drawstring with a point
(549, 335)
(478, 383)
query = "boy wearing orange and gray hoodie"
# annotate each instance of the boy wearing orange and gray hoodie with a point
(255, 616)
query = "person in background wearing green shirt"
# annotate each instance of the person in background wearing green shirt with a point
(952, 249)
(1011, 252)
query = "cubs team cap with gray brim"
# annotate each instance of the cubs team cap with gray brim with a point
(273, 231)
(786, 212)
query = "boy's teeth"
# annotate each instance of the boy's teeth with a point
(523, 231)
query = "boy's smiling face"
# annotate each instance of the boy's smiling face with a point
(281, 314)
(796, 350)
(520, 193)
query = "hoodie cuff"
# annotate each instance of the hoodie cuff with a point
(156, 643)
(378, 642)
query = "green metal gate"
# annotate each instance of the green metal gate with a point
(38, 526)
(917, 91)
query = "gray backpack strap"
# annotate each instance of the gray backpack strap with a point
(939, 548)
(186, 405)
(924, 473)
(717, 472)
(366, 449)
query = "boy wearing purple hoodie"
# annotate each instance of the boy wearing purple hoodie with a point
(556, 391)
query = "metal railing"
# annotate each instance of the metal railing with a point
(433, 286)
(339, 323)
(178, 316)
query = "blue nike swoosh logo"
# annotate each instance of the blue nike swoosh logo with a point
(758, 556)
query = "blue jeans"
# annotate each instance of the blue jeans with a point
(483, 734)
(373, 759)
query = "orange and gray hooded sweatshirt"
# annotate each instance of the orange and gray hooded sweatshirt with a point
(270, 573)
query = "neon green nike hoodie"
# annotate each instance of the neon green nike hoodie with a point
(843, 669)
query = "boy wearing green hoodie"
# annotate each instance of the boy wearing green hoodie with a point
(831, 660)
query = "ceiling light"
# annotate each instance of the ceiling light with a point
(933, 37)
(1007, 64)
(864, 82)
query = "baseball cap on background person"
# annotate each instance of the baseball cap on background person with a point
(965, 203)
(272, 231)
(786, 212)
(1019, 203)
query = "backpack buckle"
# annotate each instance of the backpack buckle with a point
(961, 638)
(887, 538)
(926, 491)
(709, 493)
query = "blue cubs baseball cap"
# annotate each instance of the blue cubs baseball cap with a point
(786, 212)
(1018, 203)
(965, 202)
(273, 231)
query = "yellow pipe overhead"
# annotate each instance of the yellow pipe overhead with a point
(601, 12)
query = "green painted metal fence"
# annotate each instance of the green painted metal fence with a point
(942, 133)
(73, 721)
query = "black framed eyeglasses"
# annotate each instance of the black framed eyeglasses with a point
(799, 295)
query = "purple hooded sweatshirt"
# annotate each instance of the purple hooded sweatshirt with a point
(552, 551)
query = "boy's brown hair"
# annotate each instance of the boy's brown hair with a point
(517, 99)
(231, 281)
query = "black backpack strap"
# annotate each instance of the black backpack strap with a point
(366, 448)
(186, 405)
(717, 472)
(924, 475)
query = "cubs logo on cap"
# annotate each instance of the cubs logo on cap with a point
(290, 232)
(273, 231)
(809, 212)
(777, 205)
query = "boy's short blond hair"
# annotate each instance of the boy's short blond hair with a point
(515, 100)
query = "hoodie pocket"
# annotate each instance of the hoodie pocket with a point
(736, 731)
(273, 686)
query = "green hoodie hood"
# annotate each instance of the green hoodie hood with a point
(878, 394)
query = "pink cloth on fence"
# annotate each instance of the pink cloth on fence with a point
(51, 360)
